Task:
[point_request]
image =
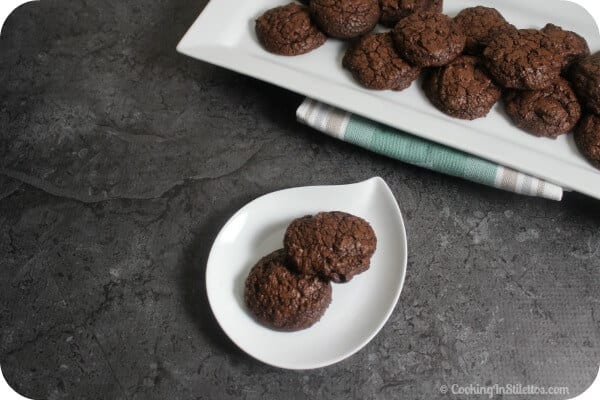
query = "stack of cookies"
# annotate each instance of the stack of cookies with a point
(290, 289)
(547, 78)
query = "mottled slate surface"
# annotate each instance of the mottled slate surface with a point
(119, 162)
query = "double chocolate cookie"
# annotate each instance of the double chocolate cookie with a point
(480, 24)
(345, 19)
(585, 79)
(549, 112)
(569, 45)
(522, 59)
(428, 39)
(462, 89)
(283, 299)
(587, 138)
(333, 245)
(393, 11)
(288, 31)
(374, 63)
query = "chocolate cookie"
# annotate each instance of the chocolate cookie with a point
(549, 112)
(585, 79)
(393, 11)
(283, 299)
(288, 31)
(522, 59)
(428, 39)
(374, 63)
(334, 245)
(345, 19)
(587, 138)
(480, 24)
(569, 45)
(462, 89)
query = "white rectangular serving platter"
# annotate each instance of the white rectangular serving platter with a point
(224, 35)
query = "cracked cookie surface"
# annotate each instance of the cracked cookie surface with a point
(281, 298)
(288, 30)
(462, 89)
(569, 45)
(550, 112)
(522, 59)
(428, 39)
(587, 138)
(393, 11)
(345, 19)
(584, 76)
(334, 245)
(374, 63)
(479, 25)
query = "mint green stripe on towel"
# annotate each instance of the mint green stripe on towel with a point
(417, 151)
(413, 150)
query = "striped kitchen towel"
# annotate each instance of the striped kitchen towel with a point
(414, 150)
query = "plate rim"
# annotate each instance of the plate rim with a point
(388, 192)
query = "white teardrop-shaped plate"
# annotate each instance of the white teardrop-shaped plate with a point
(359, 308)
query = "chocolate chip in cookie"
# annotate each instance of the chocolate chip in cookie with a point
(288, 31)
(393, 11)
(375, 64)
(345, 19)
(428, 39)
(334, 245)
(282, 299)
(462, 89)
(548, 112)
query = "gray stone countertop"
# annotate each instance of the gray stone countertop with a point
(119, 162)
